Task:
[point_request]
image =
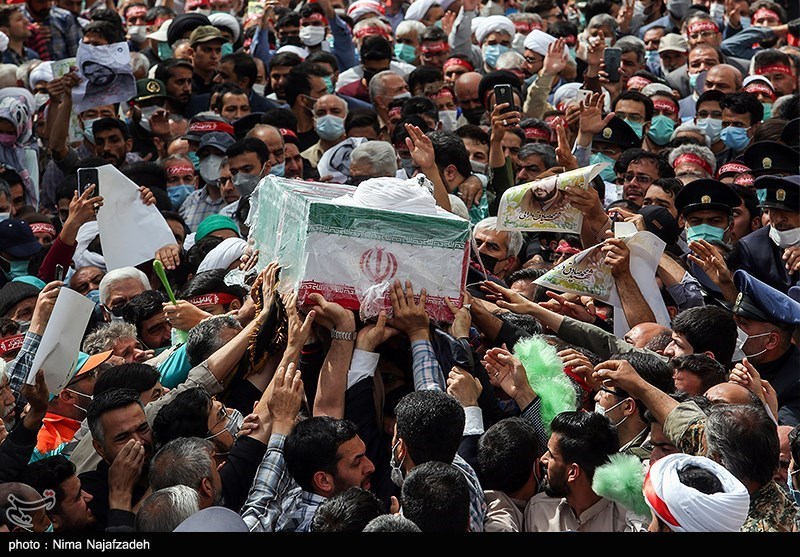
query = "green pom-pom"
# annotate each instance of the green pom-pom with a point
(621, 481)
(545, 371)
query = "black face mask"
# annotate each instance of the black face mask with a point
(474, 115)
(369, 74)
(489, 262)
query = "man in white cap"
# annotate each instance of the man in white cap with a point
(427, 11)
(694, 494)
(494, 35)
(157, 48)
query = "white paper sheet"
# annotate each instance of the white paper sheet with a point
(107, 75)
(58, 350)
(130, 231)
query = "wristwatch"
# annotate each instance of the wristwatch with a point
(343, 335)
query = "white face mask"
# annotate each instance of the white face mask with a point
(260, 88)
(312, 35)
(604, 411)
(784, 238)
(448, 119)
(741, 338)
(137, 33)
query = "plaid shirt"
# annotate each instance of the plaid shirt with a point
(18, 369)
(65, 29)
(427, 373)
(198, 206)
(275, 502)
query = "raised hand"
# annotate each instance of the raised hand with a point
(560, 303)
(299, 329)
(462, 386)
(506, 298)
(564, 155)
(170, 256)
(502, 121)
(556, 58)
(591, 120)
(508, 373)
(471, 191)
(285, 398)
(407, 315)
(331, 315)
(373, 335)
(420, 148)
(618, 256)
(462, 318)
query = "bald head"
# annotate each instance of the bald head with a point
(724, 78)
(22, 508)
(272, 138)
(729, 393)
(643, 333)
(466, 89)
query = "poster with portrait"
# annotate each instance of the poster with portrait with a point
(541, 205)
(107, 76)
(60, 69)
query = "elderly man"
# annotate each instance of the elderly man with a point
(372, 159)
(692, 162)
(119, 337)
(385, 87)
(498, 250)
(119, 286)
(330, 112)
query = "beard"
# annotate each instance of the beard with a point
(556, 487)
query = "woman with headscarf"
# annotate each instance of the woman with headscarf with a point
(16, 130)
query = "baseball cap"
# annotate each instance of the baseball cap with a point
(161, 34)
(216, 140)
(212, 223)
(204, 34)
(87, 363)
(673, 42)
(17, 240)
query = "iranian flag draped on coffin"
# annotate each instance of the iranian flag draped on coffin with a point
(326, 242)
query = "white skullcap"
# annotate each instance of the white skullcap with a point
(221, 19)
(335, 162)
(565, 93)
(492, 24)
(82, 256)
(42, 72)
(359, 9)
(299, 50)
(419, 8)
(224, 255)
(685, 509)
(538, 41)
(161, 34)
(656, 89)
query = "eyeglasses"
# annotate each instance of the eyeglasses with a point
(635, 118)
(638, 178)
(222, 415)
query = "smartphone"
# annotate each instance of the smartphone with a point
(583, 95)
(612, 57)
(59, 272)
(504, 94)
(87, 177)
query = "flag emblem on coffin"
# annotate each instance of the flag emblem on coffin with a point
(378, 264)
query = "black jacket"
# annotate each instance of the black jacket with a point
(757, 254)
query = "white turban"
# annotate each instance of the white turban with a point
(362, 8)
(42, 72)
(335, 162)
(565, 93)
(492, 24)
(476, 22)
(419, 8)
(224, 255)
(538, 41)
(82, 256)
(684, 508)
(221, 19)
(299, 50)
(3, 42)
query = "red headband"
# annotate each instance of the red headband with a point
(314, 16)
(443, 92)
(525, 26)
(692, 159)
(458, 62)
(536, 133)
(669, 106)
(196, 3)
(180, 169)
(136, 10)
(570, 40)
(703, 26)
(744, 180)
(765, 13)
(434, 48)
(42, 228)
(658, 504)
(11, 343)
(760, 87)
(394, 111)
(288, 132)
(371, 31)
(212, 299)
(212, 126)
(732, 168)
(774, 68)
(640, 81)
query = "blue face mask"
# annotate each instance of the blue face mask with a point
(637, 128)
(16, 268)
(195, 160)
(405, 52)
(767, 111)
(735, 138)
(711, 127)
(661, 129)
(329, 127)
(94, 295)
(178, 194)
(693, 81)
(328, 84)
(652, 58)
(573, 52)
(492, 52)
(744, 22)
(607, 173)
(704, 232)
(793, 493)
(227, 48)
(87, 130)
(438, 23)
(164, 51)
(278, 169)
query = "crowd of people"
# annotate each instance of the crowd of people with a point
(213, 400)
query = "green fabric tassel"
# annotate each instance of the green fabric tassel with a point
(621, 480)
(545, 371)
